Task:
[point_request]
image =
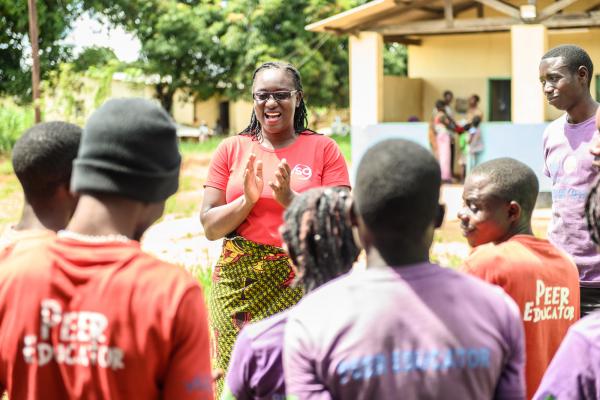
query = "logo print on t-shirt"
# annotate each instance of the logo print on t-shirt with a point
(570, 165)
(302, 171)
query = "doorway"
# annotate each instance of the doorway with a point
(500, 99)
(223, 121)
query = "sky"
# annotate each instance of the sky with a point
(87, 32)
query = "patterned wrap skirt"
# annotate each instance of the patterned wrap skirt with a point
(251, 281)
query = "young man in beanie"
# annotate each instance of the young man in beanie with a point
(403, 328)
(89, 315)
(42, 159)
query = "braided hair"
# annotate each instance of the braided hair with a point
(300, 116)
(592, 212)
(317, 231)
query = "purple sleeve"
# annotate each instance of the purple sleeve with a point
(237, 382)
(545, 150)
(511, 384)
(572, 374)
(301, 380)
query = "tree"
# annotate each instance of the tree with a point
(395, 59)
(274, 30)
(94, 56)
(54, 19)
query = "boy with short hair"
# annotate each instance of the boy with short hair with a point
(499, 198)
(42, 160)
(403, 328)
(565, 73)
(88, 314)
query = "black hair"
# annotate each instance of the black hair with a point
(592, 212)
(440, 105)
(574, 57)
(300, 115)
(42, 158)
(476, 97)
(317, 231)
(447, 93)
(397, 191)
(476, 121)
(512, 180)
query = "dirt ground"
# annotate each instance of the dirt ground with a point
(179, 238)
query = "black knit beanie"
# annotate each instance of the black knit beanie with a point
(128, 148)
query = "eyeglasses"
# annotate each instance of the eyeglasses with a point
(280, 95)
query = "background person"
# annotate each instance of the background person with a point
(89, 314)
(252, 178)
(42, 159)
(403, 327)
(499, 198)
(317, 234)
(565, 74)
(574, 373)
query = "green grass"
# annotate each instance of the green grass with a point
(14, 121)
(6, 167)
(345, 146)
(187, 147)
(204, 276)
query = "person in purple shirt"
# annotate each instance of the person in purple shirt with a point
(403, 328)
(565, 74)
(574, 373)
(317, 234)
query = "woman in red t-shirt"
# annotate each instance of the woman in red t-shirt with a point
(252, 178)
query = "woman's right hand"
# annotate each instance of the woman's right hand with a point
(253, 179)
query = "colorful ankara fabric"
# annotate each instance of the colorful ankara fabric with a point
(251, 281)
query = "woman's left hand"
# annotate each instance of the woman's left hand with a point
(282, 191)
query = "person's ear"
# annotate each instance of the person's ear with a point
(583, 74)
(514, 211)
(439, 216)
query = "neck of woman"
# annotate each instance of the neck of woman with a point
(278, 140)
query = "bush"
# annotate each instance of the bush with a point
(13, 122)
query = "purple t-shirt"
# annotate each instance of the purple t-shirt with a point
(568, 162)
(574, 372)
(256, 366)
(416, 332)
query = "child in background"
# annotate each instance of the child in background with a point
(475, 145)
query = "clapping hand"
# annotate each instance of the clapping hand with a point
(253, 179)
(282, 190)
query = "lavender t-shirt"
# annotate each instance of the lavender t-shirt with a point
(256, 366)
(416, 332)
(574, 372)
(568, 162)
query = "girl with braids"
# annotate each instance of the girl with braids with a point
(317, 232)
(252, 178)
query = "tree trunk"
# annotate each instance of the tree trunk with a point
(35, 53)
(165, 94)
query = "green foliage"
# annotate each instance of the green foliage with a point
(204, 276)
(93, 57)
(54, 20)
(193, 147)
(14, 121)
(395, 59)
(344, 142)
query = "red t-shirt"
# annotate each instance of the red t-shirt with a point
(315, 161)
(544, 282)
(81, 320)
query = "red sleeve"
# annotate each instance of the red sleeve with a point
(335, 170)
(485, 263)
(189, 371)
(218, 170)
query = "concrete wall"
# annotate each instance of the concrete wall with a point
(460, 63)
(402, 98)
(240, 112)
(501, 139)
